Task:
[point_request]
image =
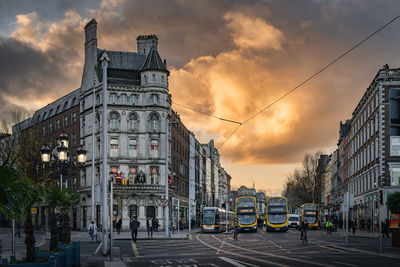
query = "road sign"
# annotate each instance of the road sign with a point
(34, 210)
(165, 203)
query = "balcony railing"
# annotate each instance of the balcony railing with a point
(139, 187)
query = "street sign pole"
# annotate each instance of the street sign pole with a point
(226, 218)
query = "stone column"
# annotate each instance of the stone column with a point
(125, 214)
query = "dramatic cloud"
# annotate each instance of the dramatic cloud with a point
(230, 58)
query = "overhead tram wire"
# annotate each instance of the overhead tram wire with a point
(207, 114)
(312, 76)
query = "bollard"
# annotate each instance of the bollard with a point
(52, 261)
(68, 257)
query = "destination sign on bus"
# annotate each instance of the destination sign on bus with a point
(277, 209)
(245, 202)
(246, 210)
(310, 212)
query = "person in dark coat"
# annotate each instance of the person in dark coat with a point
(118, 224)
(134, 226)
(385, 228)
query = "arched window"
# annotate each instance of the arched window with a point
(133, 99)
(132, 149)
(154, 177)
(162, 78)
(113, 98)
(154, 77)
(154, 122)
(154, 148)
(133, 121)
(145, 78)
(113, 147)
(114, 118)
(154, 99)
(124, 99)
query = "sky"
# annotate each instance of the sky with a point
(229, 58)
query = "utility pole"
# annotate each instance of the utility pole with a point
(104, 59)
(166, 179)
(93, 140)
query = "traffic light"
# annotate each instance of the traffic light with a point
(170, 180)
(381, 197)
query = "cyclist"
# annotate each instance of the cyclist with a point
(303, 230)
(329, 227)
(235, 228)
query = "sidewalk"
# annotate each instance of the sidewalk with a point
(340, 232)
(126, 235)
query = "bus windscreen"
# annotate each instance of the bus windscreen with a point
(208, 217)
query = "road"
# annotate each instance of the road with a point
(254, 249)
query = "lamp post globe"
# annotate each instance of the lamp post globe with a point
(45, 153)
(81, 155)
(62, 153)
(63, 139)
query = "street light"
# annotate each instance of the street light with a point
(59, 156)
(111, 192)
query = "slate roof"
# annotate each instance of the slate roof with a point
(122, 60)
(154, 62)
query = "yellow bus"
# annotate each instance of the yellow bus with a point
(246, 213)
(277, 214)
(309, 214)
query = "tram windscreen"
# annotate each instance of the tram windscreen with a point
(208, 217)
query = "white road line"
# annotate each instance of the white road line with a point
(274, 255)
(240, 255)
(222, 244)
(343, 263)
(97, 250)
(237, 263)
(135, 251)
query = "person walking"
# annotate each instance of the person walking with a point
(149, 225)
(236, 228)
(18, 230)
(92, 230)
(354, 228)
(156, 223)
(134, 226)
(118, 224)
(385, 228)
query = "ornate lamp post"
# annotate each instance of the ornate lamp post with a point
(59, 157)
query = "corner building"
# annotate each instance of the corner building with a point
(138, 106)
(372, 148)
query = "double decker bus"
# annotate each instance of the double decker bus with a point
(277, 214)
(214, 220)
(309, 214)
(246, 213)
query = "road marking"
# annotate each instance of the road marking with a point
(135, 251)
(222, 244)
(236, 262)
(240, 255)
(273, 243)
(343, 263)
(41, 243)
(274, 255)
(97, 250)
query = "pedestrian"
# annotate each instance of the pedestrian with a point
(303, 230)
(354, 227)
(118, 224)
(18, 230)
(385, 228)
(92, 230)
(134, 226)
(149, 225)
(156, 223)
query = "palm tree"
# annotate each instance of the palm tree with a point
(54, 198)
(69, 201)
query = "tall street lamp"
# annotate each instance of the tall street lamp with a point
(59, 157)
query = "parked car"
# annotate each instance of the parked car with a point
(294, 221)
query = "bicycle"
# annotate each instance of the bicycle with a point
(303, 237)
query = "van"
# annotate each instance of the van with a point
(294, 221)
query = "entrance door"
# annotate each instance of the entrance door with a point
(151, 211)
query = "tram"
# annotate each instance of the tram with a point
(310, 214)
(277, 214)
(215, 220)
(246, 213)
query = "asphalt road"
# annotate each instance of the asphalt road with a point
(253, 249)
